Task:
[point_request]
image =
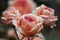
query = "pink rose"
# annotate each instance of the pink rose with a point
(29, 24)
(24, 6)
(44, 10)
(47, 14)
(9, 15)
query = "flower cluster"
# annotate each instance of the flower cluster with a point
(30, 23)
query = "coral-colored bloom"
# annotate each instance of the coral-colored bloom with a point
(9, 15)
(29, 24)
(47, 14)
(44, 10)
(24, 6)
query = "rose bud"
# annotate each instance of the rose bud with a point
(9, 15)
(29, 24)
(49, 21)
(44, 10)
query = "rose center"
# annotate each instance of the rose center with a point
(48, 9)
(29, 19)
